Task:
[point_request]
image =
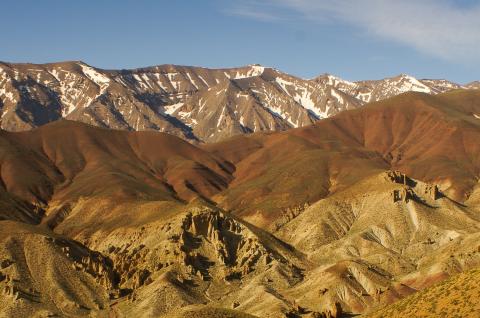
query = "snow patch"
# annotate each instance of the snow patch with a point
(146, 79)
(96, 77)
(254, 70)
(8, 95)
(242, 121)
(171, 78)
(140, 81)
(202, 104)
(412, 84)
(337, 96)
(55, 74)
(337, 81)
(159, 81)
(365, 97)
(221, 117)
(191, 80)
(220, 91)
(170, 109)
(203, 80)
(279, 113)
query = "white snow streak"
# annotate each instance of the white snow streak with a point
(96, 77)
(170, 109)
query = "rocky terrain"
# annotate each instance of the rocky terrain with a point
(374, 211)
(196, 104)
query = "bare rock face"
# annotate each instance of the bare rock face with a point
(348, 232)
(343, 254)
(289, 214)
(398, 177)
(200, 255)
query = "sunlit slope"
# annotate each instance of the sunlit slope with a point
(455, 297)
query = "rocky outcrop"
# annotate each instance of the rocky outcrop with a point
(400, 178)
(90, 262)
(233, 244)
(132, 266)
(56, 215)
(412, 190)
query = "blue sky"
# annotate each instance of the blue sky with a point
(354, 39)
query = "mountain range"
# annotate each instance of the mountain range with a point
(373, 210)
(194, 103)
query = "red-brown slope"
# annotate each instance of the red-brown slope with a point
(431, 138)
(286, 170)
(66, 160)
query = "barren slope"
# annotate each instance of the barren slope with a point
(342, 217)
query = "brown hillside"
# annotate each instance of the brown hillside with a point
(64, 161)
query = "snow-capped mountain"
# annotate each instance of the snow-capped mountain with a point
(376, 90)
(198, 104)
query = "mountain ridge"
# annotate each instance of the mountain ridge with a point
(198, 104)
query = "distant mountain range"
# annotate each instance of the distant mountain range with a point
(194, 103)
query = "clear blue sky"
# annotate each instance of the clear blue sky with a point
(305, 38)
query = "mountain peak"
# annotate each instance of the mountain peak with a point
(405, 76)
